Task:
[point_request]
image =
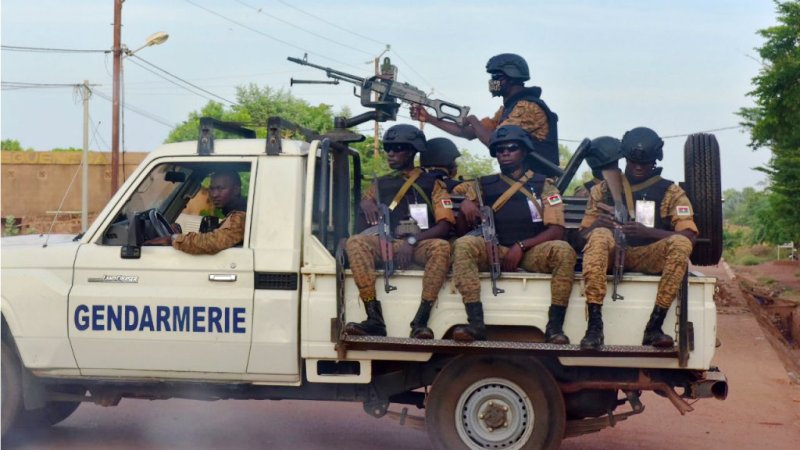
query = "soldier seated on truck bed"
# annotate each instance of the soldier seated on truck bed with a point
(421, 210)
(225, 192)
(439, 159)
(660, 235)
(529, 220)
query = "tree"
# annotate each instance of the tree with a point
(255, 105)
(10, 145)
(773, 121)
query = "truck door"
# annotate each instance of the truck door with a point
(165, 311)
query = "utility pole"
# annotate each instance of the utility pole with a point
(85, 93)
(377, 135)
(115, 97)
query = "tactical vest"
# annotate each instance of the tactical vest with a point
(513, 221)
(654, 193)
(390, 185)
(548, 148)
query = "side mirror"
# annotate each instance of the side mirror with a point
(133, 247)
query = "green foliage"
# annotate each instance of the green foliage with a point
(773, 122)
(67, 149)
(471, 166)
(10, 227)
(255, 105)
(10, 145)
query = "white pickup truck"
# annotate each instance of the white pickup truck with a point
(99, 317)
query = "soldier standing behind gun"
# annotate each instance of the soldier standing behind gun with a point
(522, 106)
(528, 229)
(660, 239)
(439, 159)
(426, 201)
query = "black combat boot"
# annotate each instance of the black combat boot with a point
(373, 326)
(476, 330)
(652, 332)
(419, 326)
(594, 330)
(554, 331)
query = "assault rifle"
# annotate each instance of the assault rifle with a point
(385, 239)
(613, 178)
(490, 239)
(389, 92)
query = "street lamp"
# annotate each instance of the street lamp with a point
(154, 39)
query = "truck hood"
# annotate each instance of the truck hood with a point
(28, 251)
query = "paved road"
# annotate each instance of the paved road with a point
(762, 411)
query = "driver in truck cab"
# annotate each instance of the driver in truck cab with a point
(421, 217)
(225, 193)
(660, 235)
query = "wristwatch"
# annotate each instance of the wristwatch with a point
(412, 240)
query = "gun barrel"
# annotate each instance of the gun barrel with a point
(292, 82)
(331, 73)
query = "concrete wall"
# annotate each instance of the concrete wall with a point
(35, 183)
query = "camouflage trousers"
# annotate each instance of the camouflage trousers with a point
(555, 257)
(363, 251)
(668, 257)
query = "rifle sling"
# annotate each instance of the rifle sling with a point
(630, 189)
(514, 187)
(412, 177)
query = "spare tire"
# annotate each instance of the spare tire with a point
(703, 186)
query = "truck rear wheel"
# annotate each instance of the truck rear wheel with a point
(12, 389)
(480, 402)
(51, 414)
(701, 167)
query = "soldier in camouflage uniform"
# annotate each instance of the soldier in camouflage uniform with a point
(426, 201)
(439, 159)
(225, 192)
(529, 220)
(660, 235)
(522, 106)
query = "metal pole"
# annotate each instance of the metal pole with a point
(377, 146)
(115, 98)
(85, 181)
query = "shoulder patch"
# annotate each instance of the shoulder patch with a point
(554, 199)
(447, 203)
(683, 211)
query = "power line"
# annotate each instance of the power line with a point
(261, 11)
(733, 127)
(228, 19)
(16, 48)
(14, 85)
(141, 112)
(333, 24)
(181, 79)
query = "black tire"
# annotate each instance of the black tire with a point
(11, 389)
(481, 402)
(51, 414)
(704, 188)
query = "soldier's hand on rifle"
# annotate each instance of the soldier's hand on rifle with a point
(370, 210)
(404, 255)
(469, 210)
(636, 230)
(511, 260)
(418, 112)
(606, 218)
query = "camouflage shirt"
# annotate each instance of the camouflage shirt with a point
(526, 115)
(229, 233)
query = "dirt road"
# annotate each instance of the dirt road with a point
(762, 409)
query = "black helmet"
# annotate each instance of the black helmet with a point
(642, 145)
(513, 66)
(440, 152)
(508, 133)
(404, 134)
(603, 151)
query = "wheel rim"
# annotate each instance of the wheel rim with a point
(494, 413)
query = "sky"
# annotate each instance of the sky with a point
(605, 66)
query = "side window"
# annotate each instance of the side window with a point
(337, 191)
(182, 194)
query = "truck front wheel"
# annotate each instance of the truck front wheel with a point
(480, 402)
(11, 389)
